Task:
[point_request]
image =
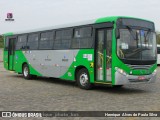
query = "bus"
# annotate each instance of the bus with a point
(158, 54)
(112, 51)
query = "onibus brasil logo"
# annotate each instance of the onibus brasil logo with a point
(9, 17)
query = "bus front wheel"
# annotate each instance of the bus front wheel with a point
(83, 79)
(26, 72)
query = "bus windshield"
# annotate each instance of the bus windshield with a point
(135, 44)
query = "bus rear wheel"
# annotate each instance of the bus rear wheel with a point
(83, 79)
(26, 72)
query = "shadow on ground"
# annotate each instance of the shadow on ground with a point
(98, 88)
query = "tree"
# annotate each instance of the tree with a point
(1, 41)
(158, 38)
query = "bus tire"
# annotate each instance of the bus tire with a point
(83, 79)
(26, 72)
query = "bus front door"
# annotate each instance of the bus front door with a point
(11, 53)
(103, 55)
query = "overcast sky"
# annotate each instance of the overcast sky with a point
(32, 14)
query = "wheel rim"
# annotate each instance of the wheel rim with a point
(83, 79)
(26, 71)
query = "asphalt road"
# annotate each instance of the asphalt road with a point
(44, 94)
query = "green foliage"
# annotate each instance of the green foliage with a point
(158, 39)
(1, 42)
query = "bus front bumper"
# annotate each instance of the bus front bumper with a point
(121, 79)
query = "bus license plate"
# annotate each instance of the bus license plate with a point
(141, 78)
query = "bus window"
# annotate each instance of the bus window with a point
(21, 43)
(82, 38)
(63, 39)
(46, 40)
(6, 43)
(109, 48)
(32, 43)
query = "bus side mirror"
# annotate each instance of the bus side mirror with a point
(117, 34)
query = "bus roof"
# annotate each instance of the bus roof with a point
(100, 20)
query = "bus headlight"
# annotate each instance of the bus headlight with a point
(120, 71)
(155, 72)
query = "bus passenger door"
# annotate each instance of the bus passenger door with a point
(103, 55)
(11, 53)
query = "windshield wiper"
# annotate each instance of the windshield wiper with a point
(132, 33)
(148, 33)
(136, 51)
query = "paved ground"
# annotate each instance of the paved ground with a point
(43, 94)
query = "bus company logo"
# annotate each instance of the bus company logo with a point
(9, 17)
(145, 72)
(141, 72)
(64, 59)
(6, 114)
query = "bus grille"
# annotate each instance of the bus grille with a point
(136, 80)
(140, 67)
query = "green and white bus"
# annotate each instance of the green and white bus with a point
(110, 50)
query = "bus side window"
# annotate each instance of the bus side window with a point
(21, 42)
(63, 39)
(46, 40)
(32, 43)
(82, 38)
